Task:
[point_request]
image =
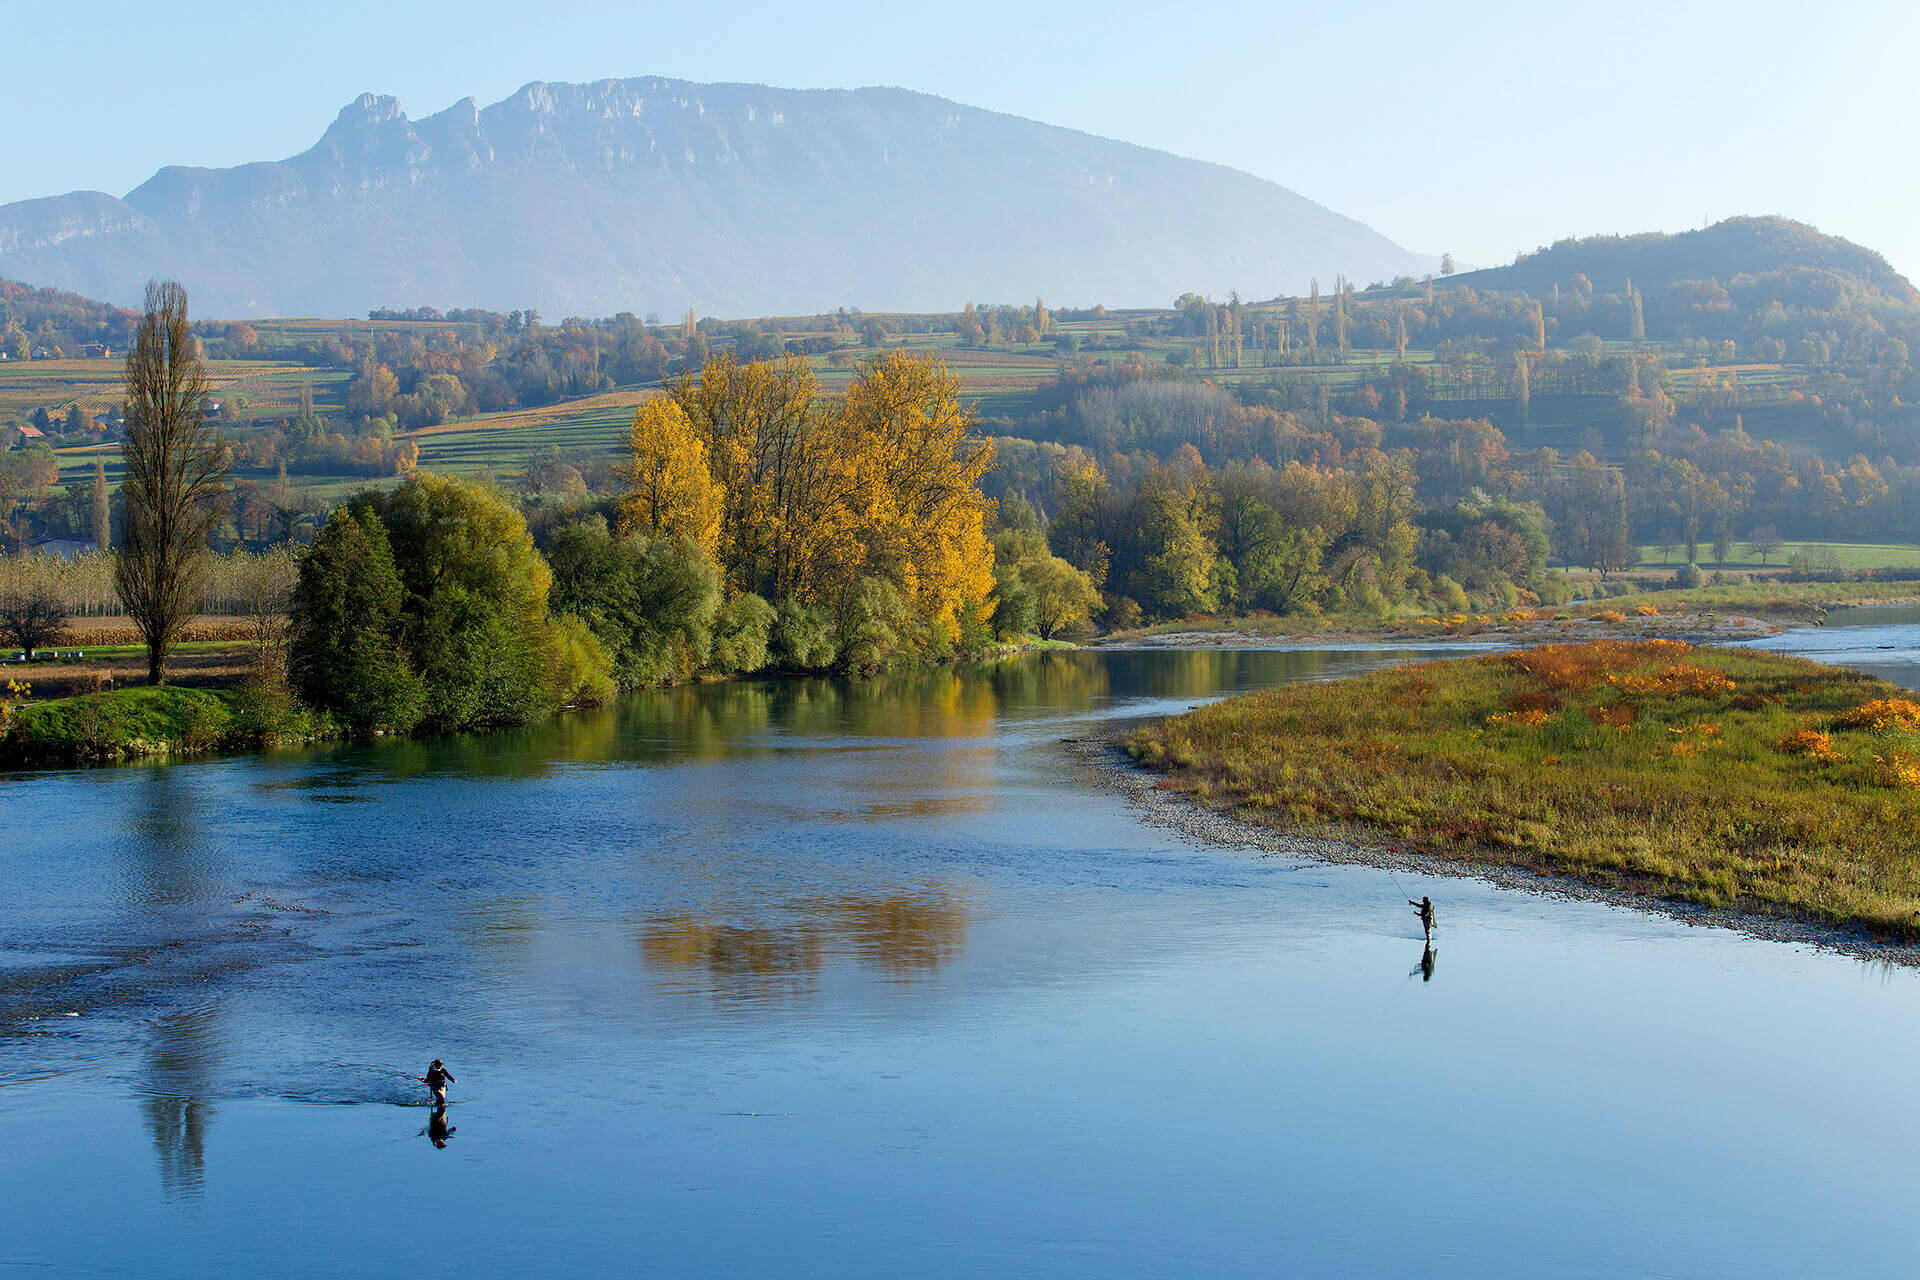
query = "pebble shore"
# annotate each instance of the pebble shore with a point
(1109, 762)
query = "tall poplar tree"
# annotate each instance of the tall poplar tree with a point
(102, 508)
(175, 469)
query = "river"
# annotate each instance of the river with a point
(815, 978)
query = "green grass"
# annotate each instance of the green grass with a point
(1850, 555)
(1647, 766)
(168, 720)
(1770, 599)
(121, 721)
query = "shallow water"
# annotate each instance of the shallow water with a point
(817, 978)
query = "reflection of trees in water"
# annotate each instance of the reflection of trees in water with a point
(1192, 673)
(179, 1067)
(1054, 681)
(729, 950)
(901, 933)
(165, 847)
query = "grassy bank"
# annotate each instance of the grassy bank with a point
(1723, 777)
(121, 724)
(1705, 611)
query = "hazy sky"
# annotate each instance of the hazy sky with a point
(1479, 129)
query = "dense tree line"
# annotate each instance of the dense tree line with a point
(1174, 539)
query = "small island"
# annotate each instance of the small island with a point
(1722, 777)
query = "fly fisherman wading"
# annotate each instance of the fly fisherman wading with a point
(437, 1079)
(1424, 909)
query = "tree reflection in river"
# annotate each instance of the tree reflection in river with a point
(902, 933)
(179, 1063)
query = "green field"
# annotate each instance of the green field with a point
(1001, 381)
(1850, 555)
(600, 431)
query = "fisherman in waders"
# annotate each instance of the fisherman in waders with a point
(437, 1079)
(1424, 909)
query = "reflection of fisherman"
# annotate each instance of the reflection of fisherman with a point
(438, 1130)
(437, 1079)
(1427, 958)
(1424, 909)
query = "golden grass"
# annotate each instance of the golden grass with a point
(1727, 777)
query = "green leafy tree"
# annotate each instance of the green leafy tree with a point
(653, 602)
(1064, 597)
(742, 631)
(345, 653)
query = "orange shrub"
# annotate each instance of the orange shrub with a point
(1646, 611)
(1810, 743)
(1526, 719)
(1609, 615)
(1898, 770)
(1581, 666)
(1682, 680)
(1882, 713)
(1615, 715)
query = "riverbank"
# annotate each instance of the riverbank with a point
(1726, 787)
(1116, 770)
(146, 722)
(135, 722)
(1705, 615)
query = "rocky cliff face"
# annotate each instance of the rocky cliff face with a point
(655, 195)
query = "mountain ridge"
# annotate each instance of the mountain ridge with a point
(658, 194)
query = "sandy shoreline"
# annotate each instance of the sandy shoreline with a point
(1115, 769)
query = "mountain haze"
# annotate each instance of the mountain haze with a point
(656, 195)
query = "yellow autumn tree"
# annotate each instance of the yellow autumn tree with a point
(756, 422)
(917, 463)
(811, 498)
(673, 493)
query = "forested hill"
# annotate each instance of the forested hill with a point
(658, 195)
(26, 310)
(1723, 251)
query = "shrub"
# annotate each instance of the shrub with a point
(579, 670)
(1122, 613)
(1682, 680)
(1610, 615)
(802, 637)
(741, 632)
(1881, 714)
(1689, 577)
(875, 625)
(1809, 742)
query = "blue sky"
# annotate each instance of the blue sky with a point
(1478, 129)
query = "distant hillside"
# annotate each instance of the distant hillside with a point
(83, 319)
(656, 195)
(1738, 246)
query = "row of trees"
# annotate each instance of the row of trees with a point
(1170, 540)
(763, 525)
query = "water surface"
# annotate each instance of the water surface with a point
(820, 978)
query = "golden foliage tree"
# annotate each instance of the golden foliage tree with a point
(918, 468)
(816, 496)
(673, 492)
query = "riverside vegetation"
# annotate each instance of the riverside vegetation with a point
(764, 527)
(1728, 778)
